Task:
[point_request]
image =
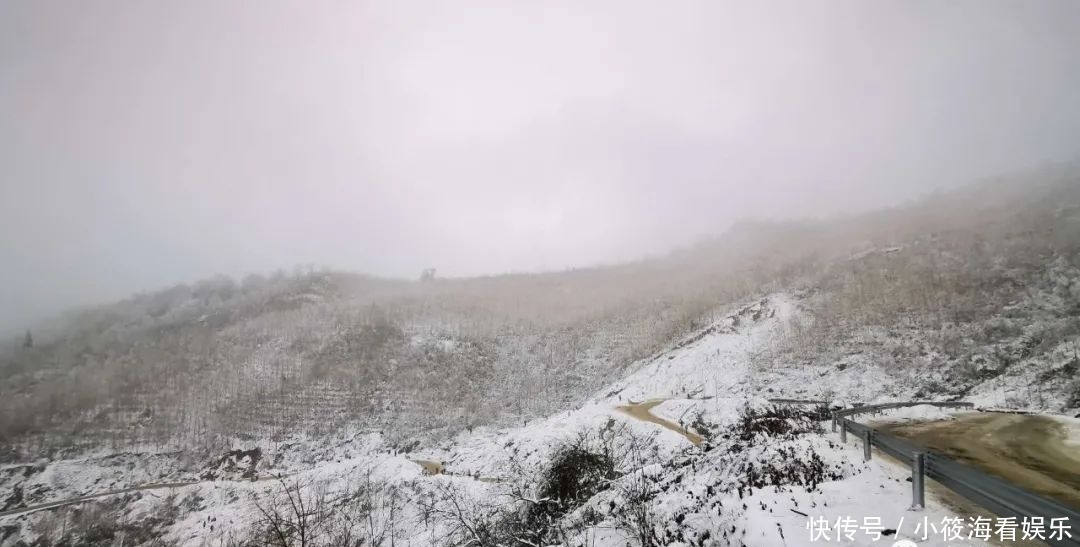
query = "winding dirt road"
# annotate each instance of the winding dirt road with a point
(88, 497)
(430, 467)
(80, 499)
(643, 411)
(1033, 452)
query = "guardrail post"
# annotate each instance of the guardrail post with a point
(834, 424)
(843, 430)
(918, 466)
(866, 444)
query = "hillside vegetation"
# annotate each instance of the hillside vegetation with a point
(977, 284)
(199, 365)
(979, 294)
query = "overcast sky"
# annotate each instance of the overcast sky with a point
(148, 143)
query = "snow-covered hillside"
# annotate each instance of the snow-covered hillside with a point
(605, 406)
(757, 476)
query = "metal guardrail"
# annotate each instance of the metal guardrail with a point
(867, 409)
(994, 494)
(798, 401)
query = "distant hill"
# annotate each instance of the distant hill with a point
(950, 291)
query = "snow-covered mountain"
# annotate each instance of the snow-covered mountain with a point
(598, 407)
(714, 463)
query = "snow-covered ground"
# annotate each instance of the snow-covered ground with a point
(726, 491)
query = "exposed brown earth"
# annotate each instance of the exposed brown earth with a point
(1031, 451)
(643, 411)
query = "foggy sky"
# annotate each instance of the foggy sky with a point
(148, 143)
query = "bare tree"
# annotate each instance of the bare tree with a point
(470, 521)
(289, 522)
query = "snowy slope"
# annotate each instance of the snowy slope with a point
(725, 491)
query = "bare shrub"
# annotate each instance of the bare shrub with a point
(289, 519)
(777, 422)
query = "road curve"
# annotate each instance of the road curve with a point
(1031, 451)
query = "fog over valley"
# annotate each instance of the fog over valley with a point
(147, 145)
